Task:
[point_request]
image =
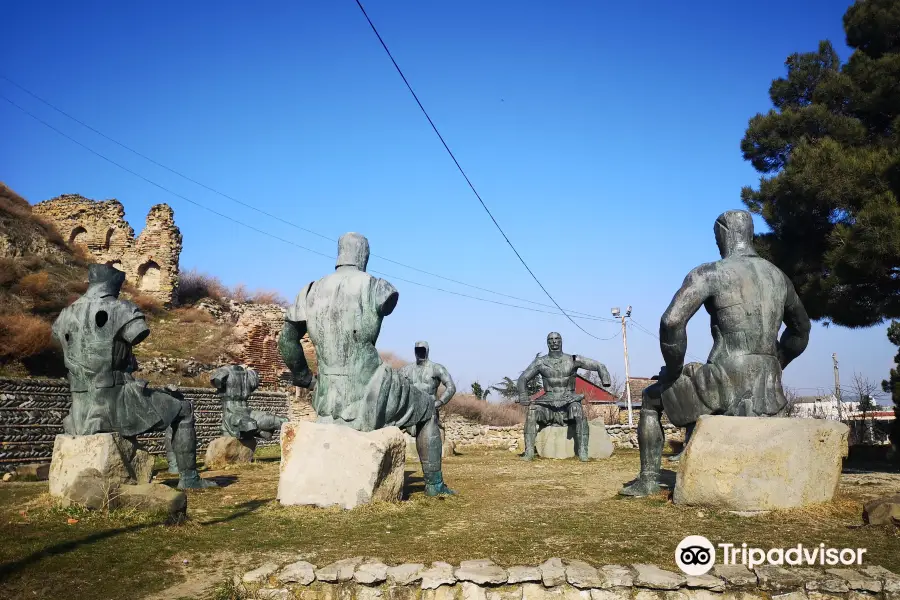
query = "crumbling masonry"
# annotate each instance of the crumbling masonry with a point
(150, 261)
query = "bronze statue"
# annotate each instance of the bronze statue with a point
(343, 312)
(234, 384)
(97, 333)
(747, 298)
(559, 404)
(428, 376)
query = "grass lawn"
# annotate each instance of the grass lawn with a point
(508, 510)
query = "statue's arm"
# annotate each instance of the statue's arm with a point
(135, 329)
(797, 326)
(386, 297)
(694, 291)
(589, 364)
(449, 387)
(289, 342)
(218, 377)
(527, 375)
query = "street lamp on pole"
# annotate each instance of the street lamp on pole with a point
(616, 313)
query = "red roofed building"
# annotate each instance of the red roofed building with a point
(593, 394)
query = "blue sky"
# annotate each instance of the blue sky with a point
(603, 136)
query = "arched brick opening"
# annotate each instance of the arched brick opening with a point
(108, 240)
(149, 277)
(79, 236)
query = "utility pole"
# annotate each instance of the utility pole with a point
(617, 313)
(837, 386)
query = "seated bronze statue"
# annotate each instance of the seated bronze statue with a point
(97, 333)
(747, 298)
(559, 405)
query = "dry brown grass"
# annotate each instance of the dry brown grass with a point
(503, 414)
(192, 315)
(523, 513)
(24, 336)
(194, 286)
(36, 285)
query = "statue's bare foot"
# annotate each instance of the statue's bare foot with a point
(675, 457)
(642, 486)
(192, 481)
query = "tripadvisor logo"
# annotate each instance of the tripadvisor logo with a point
(695, 555)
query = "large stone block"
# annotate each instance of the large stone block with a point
(116, 459)
(227, 450)
(756, 463)
(326, 465)
(557, 441)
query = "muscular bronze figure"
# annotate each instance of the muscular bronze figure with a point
(747, 298)
(559, 404)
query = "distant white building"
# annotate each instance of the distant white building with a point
(823, 407)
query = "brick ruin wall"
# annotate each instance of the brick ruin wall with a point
(32, 411)
(150, 260)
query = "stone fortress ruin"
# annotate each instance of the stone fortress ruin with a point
(150, 260)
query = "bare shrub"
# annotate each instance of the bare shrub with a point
(36, 285)
(607, 412)
(24, 335)
(10, 271)
(501, 414)
(268, 297)
(194, 285)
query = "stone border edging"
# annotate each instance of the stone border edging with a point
(362, 578)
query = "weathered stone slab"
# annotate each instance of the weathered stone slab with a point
(116, 459)
(536, 591)
(616, 593)
(274, 594)
(773, 578)
(260, 574)
(481, 572)
(371, 572)
(755, 463)
(815, 580)
(300, 572)
(582, 575)
(557, 441)
(369, 593)
(651, 576)
(152, 497)
(520, 574)
(553, 572)
(472, 591)
(326, 465)
(405, 574)
(735, 576)
(512, 593)
(882, 511)
(341, 570)
(613, 576)
(889, 580)
(439, 574)
(226, 450)
(857, 581)
(795, 595)
(706, 581)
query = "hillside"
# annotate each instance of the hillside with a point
(40, 274)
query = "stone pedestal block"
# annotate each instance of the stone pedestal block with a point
(755, 463)
(557, 441)
(116, 459)
(327, 465)
(227, 450)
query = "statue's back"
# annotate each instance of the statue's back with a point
(343, 325)
(748, 309)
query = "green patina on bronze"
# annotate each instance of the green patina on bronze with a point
(342, 313)
(559, 404)
(747, 298)
(97, 333)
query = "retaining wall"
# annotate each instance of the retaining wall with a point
(32, 411)
(358, 579)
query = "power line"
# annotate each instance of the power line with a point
(646, 331)
(270, 215)
(256, 229)
(466, 177)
